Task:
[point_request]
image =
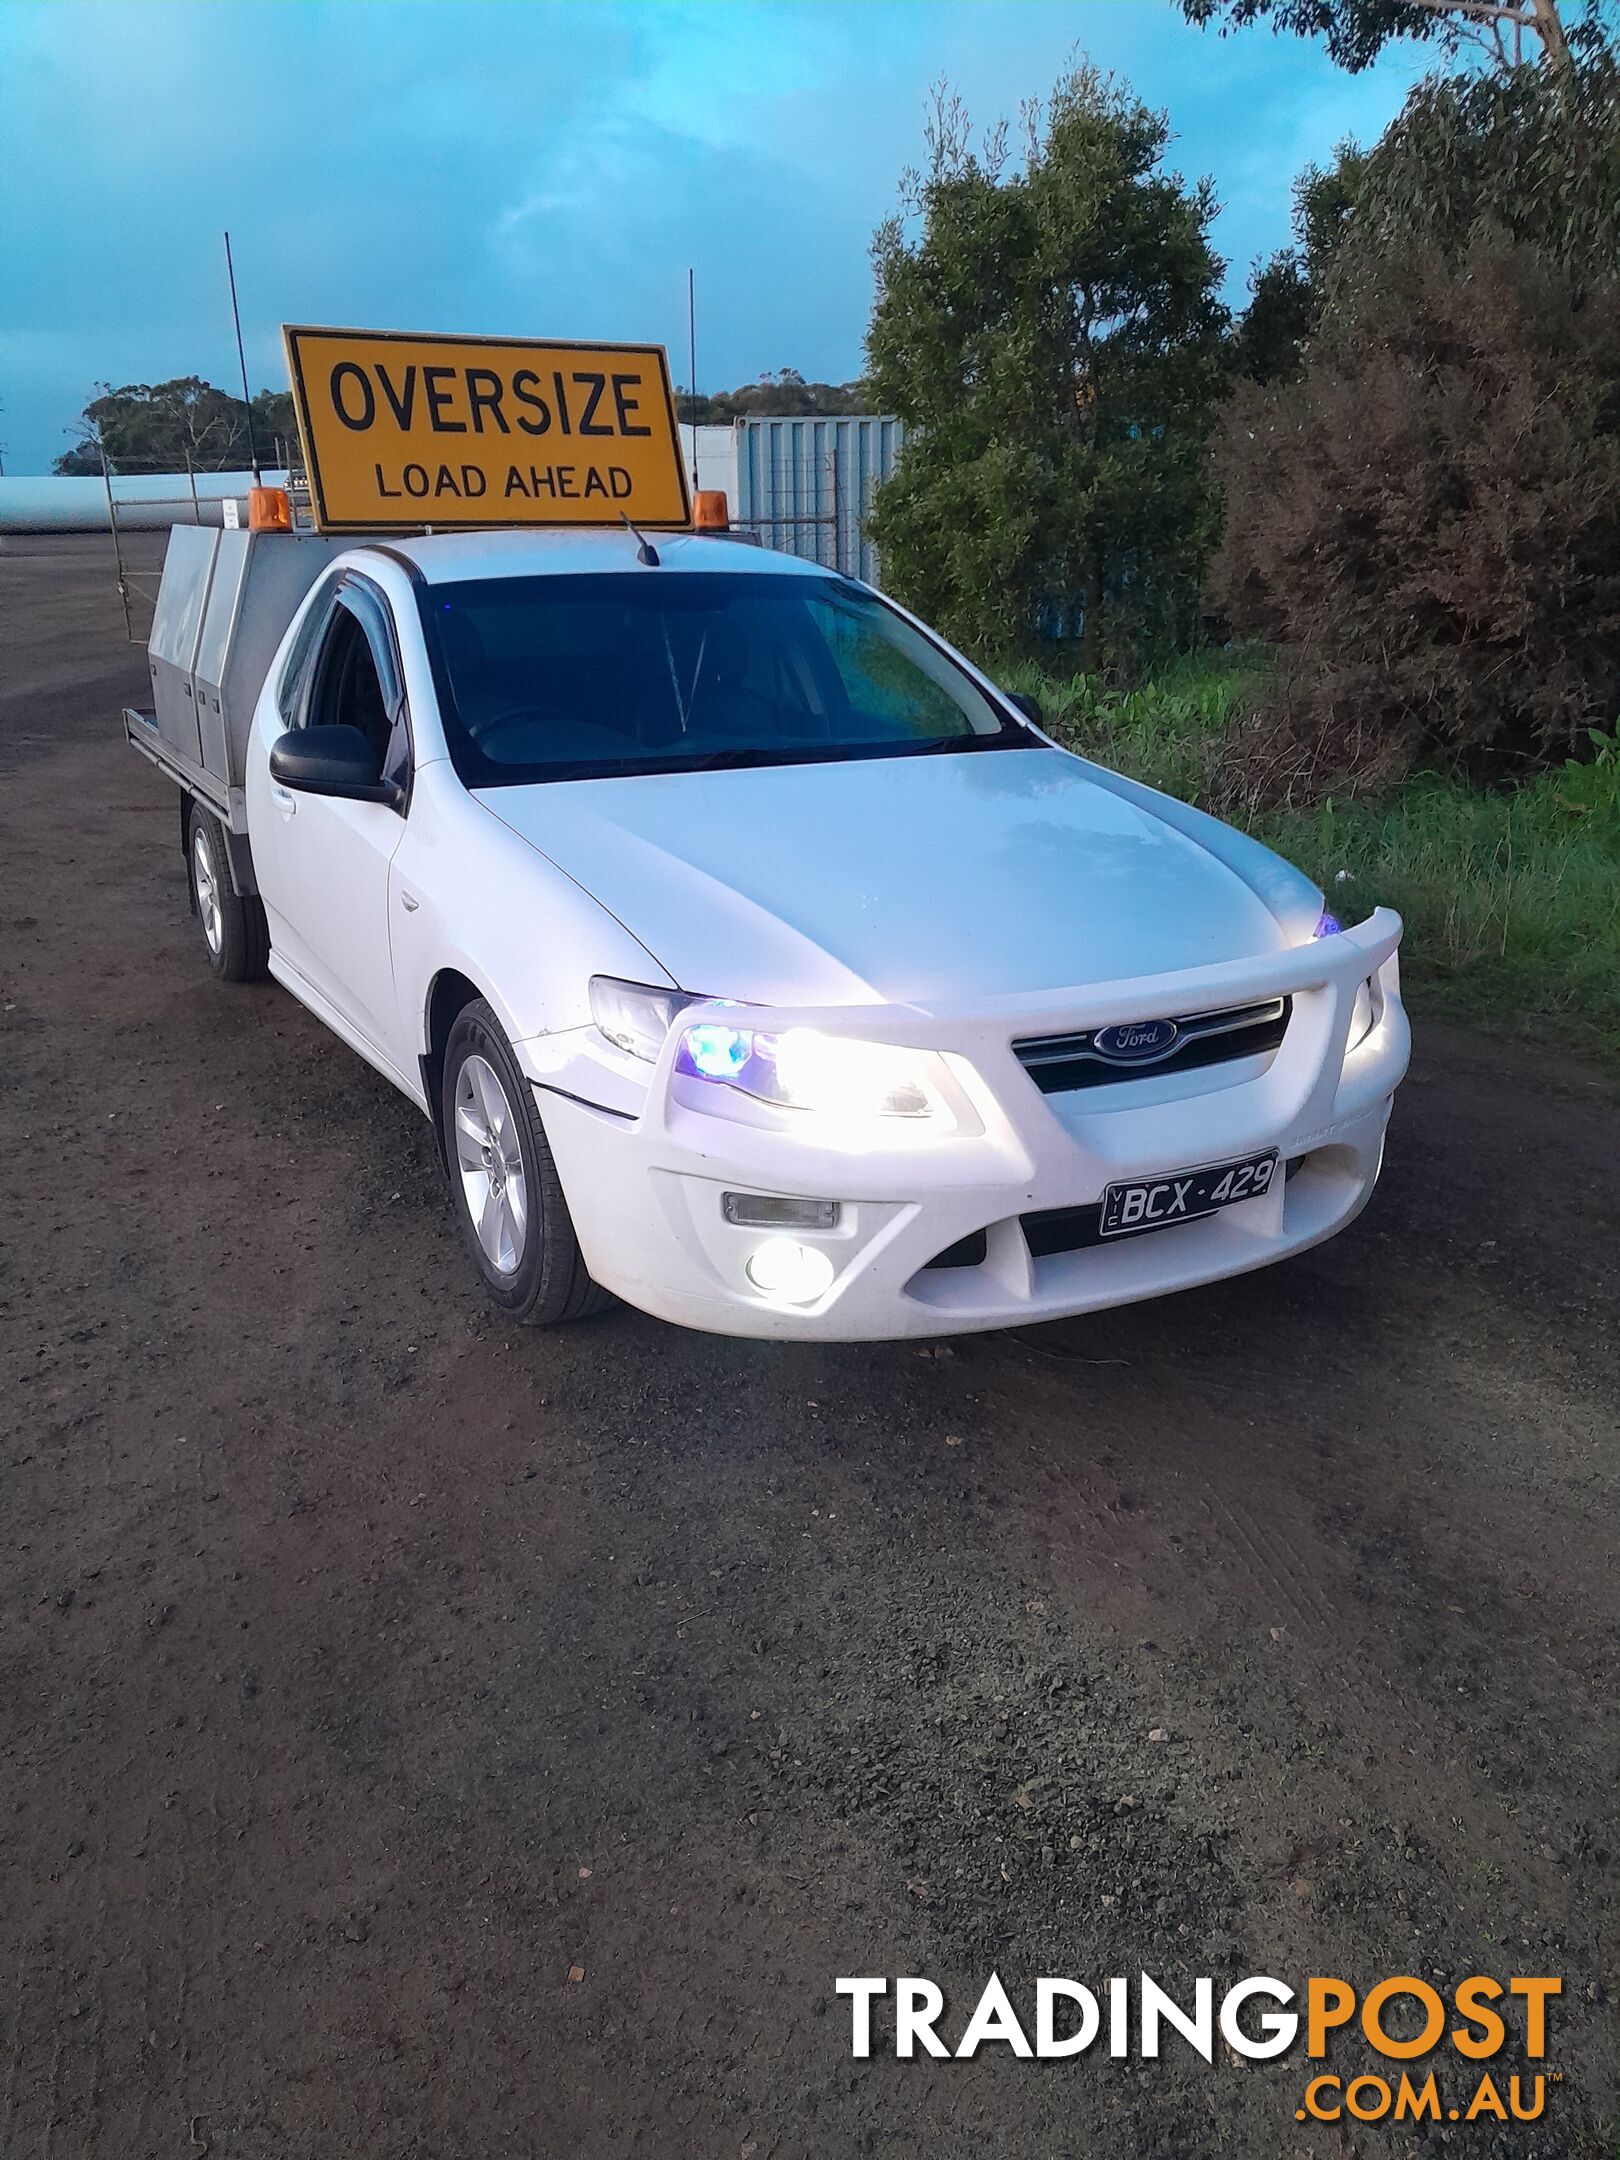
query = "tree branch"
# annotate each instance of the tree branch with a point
(1541, 17)
(1479, 11)
(1550, 29)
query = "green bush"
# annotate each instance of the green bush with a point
(1428, 521)
(1421, 482)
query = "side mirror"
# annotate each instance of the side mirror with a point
(1022, 702)
(330, 761)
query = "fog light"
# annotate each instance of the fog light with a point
(773, 1211)
(796, 1273)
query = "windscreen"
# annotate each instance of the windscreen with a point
(570, 677)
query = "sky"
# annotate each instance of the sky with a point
(548, 168)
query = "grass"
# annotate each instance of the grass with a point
(1164, 731)
(1511, 899)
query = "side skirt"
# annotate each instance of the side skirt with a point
(327, 1013)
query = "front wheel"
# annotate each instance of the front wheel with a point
(504, 1185)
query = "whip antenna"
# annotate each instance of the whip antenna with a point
(241, 356)
(645, 551)
(691, 354)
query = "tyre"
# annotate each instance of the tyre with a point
(503, 1182)
(235, 933)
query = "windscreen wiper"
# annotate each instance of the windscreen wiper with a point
(839, 753)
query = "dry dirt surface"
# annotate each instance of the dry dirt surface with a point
(419, 1737)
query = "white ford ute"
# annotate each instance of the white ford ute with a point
(761, 963)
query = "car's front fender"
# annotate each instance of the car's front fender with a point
(468, 895)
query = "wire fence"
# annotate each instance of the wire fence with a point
(199, 495)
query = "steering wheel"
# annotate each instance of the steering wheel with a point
(577, 738)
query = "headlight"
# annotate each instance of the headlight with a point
(634, 1017)
(802, 1069)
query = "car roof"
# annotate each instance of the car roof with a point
(444, 557)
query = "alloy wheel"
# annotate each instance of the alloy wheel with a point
(206, 879)
(489, 1159)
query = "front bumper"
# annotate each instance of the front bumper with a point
(644, 1185)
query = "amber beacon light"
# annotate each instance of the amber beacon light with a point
(709, 512)
(269, 510)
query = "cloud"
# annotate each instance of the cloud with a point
(554, 168)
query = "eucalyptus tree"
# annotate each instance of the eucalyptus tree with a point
(1048, 324)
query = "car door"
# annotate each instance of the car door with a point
(322, 863)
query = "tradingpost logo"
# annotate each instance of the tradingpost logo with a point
(1429, 2047)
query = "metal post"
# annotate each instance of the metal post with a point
(118, 549)
(839, 550)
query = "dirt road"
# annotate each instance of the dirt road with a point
(365, 1667)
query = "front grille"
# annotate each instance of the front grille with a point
(970, 1251)
(1050, 1231)
(1060, 1230)
(1058, 1064)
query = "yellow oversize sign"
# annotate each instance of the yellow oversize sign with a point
(404, 431)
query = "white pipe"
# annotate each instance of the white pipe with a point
(145, 502)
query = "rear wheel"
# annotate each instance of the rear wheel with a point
(235, 933)
(503, 1181)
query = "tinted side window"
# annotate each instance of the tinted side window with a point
(346, 690)
(289, 691)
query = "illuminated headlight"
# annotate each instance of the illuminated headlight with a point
(634, 1017)
(802, 1069)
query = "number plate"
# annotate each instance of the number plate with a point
(1184, 1196)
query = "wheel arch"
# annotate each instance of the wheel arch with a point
(187, 805)
(449, 994)
(238, 848)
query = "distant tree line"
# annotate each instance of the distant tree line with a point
(783, 393)
(163, 427)
(159, 427)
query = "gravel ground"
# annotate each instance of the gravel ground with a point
(423, 1738)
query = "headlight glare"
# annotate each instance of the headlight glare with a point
(802, 1069)
(797, 1274)
(716, 1052)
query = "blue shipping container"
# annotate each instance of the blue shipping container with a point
(807, 486)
